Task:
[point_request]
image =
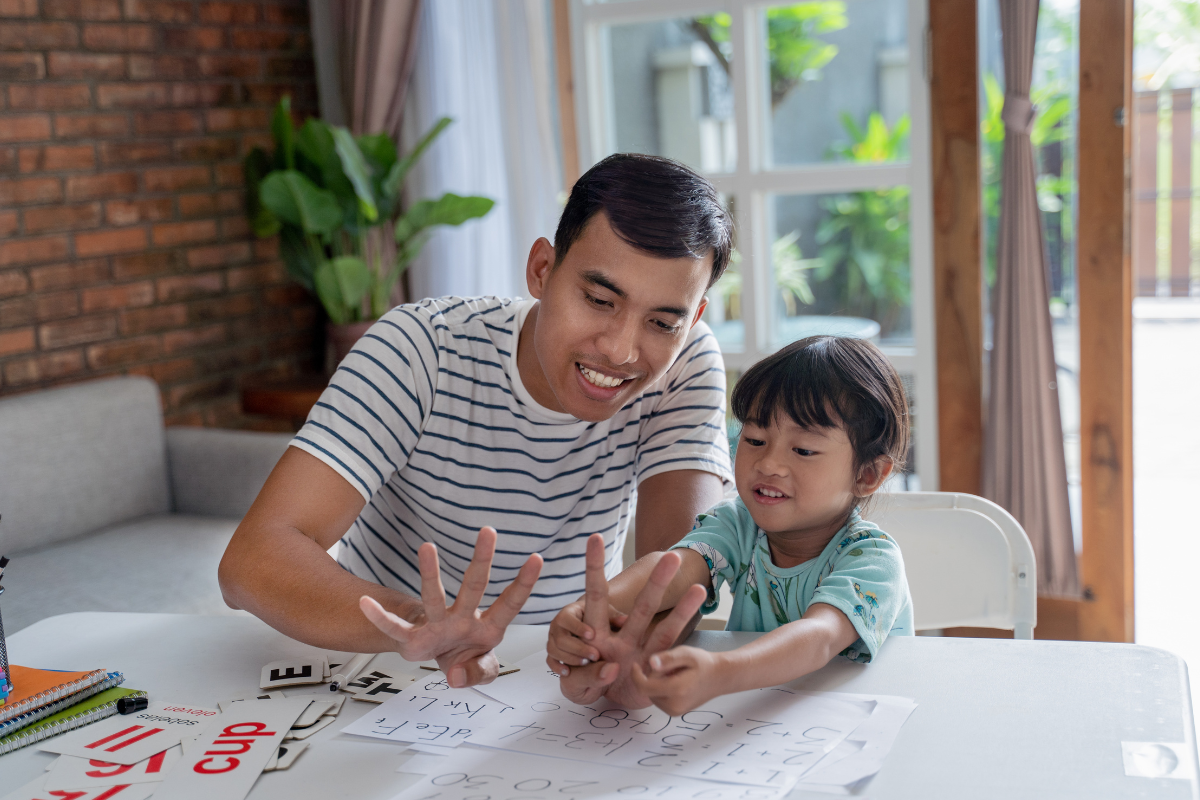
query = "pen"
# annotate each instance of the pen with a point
(350, 670)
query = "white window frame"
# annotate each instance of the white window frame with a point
(753, 181)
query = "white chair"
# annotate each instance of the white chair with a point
(969, 563)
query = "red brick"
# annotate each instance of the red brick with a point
(18, 8)
(88, 126)
(129, 295)
(92, 10)
(230, 66)
(19, 340)
(288, 294)
(166, 122)
(207, 149)
(294, 14)
(62, 218)
(13, 282)
(204, 94)
(58, 158)
(14, 313)
(37, 35)
(235, 227)
(24, 127)
(86, 65)
(172, 233)
(132, 95)
(160, 10)
(203, 204)
(130, 212)
(49, 97)
(290, 67)
(32, 251)
(218, 120)
(140, 265)
(226, 13)
(127, 351)
(218, 255)
(270, 93)
(174, 179)
(190, 338)
(80, 330)
(267, 248)
(57, 305)
(27, 191)
(229, 175)
(250, 39)
(120, 240)
(155, 318)
(199, 391)
(76, 273)
(8, 223)
(221, 307)
(193, 38)
(44, 367)
(128, 36)
(177, 369)
(22, 66)
(135, 152)
(181, 287)
(8, 160)
(105, 184)
(157, 67)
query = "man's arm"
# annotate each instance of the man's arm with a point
(667, 506)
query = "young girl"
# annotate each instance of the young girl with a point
(824, 423)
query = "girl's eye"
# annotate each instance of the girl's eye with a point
(803, 452)
(753, 442)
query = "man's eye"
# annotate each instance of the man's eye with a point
(664, 327)
(596, 300)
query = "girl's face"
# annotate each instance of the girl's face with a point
(799, 482)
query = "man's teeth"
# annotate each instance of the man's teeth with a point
(770, 493)
(596, 379)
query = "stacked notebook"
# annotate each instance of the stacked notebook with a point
(46, 702)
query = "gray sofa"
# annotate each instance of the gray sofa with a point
(105, 510)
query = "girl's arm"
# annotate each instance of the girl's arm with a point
(684, 678)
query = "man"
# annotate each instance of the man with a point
(546, 419)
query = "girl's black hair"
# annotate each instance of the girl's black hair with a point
(830, 382)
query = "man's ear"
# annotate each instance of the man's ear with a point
(700, 310)
(539, 266)
(872, 475)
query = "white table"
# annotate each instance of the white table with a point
(997, 718)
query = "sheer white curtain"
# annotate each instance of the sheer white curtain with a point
(484, 63)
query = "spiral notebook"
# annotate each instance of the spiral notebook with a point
(30, 717)
(34, 688)
(95, 708)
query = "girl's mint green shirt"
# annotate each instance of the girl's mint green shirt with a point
(860, 573)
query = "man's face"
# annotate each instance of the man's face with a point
(611, 320)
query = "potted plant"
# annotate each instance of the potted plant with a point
(335, 201)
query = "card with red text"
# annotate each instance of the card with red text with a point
(69, 772)
(130, 738)
(230, 755)
(36, 790)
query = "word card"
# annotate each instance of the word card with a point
(506, 776)
(287, 753)
(430, 711)
(275, 695)
(69, 772)
(36, 790)
(311, 715)
(131, 738)
(766, 737)
(304, 733)
(293, 672)
(228, 758)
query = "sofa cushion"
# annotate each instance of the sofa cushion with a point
(77, 459)
(165, 563)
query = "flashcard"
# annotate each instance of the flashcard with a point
(335, 701)
(188, 744)
(230, 755)
(130, 738)
(383, 688)
(285, 755)
(36, 790)
(69, 772)
(275, 695)
(304, 733)
(316, 709)
(293, 672)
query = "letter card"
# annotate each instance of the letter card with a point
(128, 739)
(430, 711)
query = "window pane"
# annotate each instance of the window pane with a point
(670, 91)
(724, 311)
(837, 75)
(840, 265)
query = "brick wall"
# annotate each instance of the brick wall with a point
(123, 243)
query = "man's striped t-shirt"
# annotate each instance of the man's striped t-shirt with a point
(429, 420)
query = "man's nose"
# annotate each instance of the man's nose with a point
(618, 343)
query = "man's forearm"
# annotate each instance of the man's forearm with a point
(287, 580)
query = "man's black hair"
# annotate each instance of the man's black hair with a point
(655, 204)
(830, 382)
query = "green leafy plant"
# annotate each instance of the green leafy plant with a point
(791, 277)
(335, 201)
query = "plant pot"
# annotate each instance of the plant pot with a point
(340, 340)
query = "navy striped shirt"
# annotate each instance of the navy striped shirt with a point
(429, 420)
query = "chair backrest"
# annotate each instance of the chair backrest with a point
(80, 458)
(969, 563)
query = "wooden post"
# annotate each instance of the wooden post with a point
(957, 214)
(1145, 192)
(1106, 318)
(566, 92)
(1181, 192)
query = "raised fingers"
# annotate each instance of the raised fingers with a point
(475, 579)
(595, 610)
(511, 600)
(395, 627)
(433, 596)
(650, 597)
(668, 630)
(473, 671)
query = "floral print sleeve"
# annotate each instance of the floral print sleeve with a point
(717, 535)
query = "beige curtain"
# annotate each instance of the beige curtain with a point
(1024, 466)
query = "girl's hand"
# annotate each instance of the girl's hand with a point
(570, 641)
(680, 679)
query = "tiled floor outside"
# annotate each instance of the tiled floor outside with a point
(1166, 477)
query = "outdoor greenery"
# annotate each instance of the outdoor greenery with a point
(791, 278)
(333, 198)
(794, 51)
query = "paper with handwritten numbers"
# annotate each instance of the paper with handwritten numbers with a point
(430, 711)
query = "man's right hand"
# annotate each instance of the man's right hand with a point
(460, 637)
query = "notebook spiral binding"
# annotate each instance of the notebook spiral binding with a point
(4, 652)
